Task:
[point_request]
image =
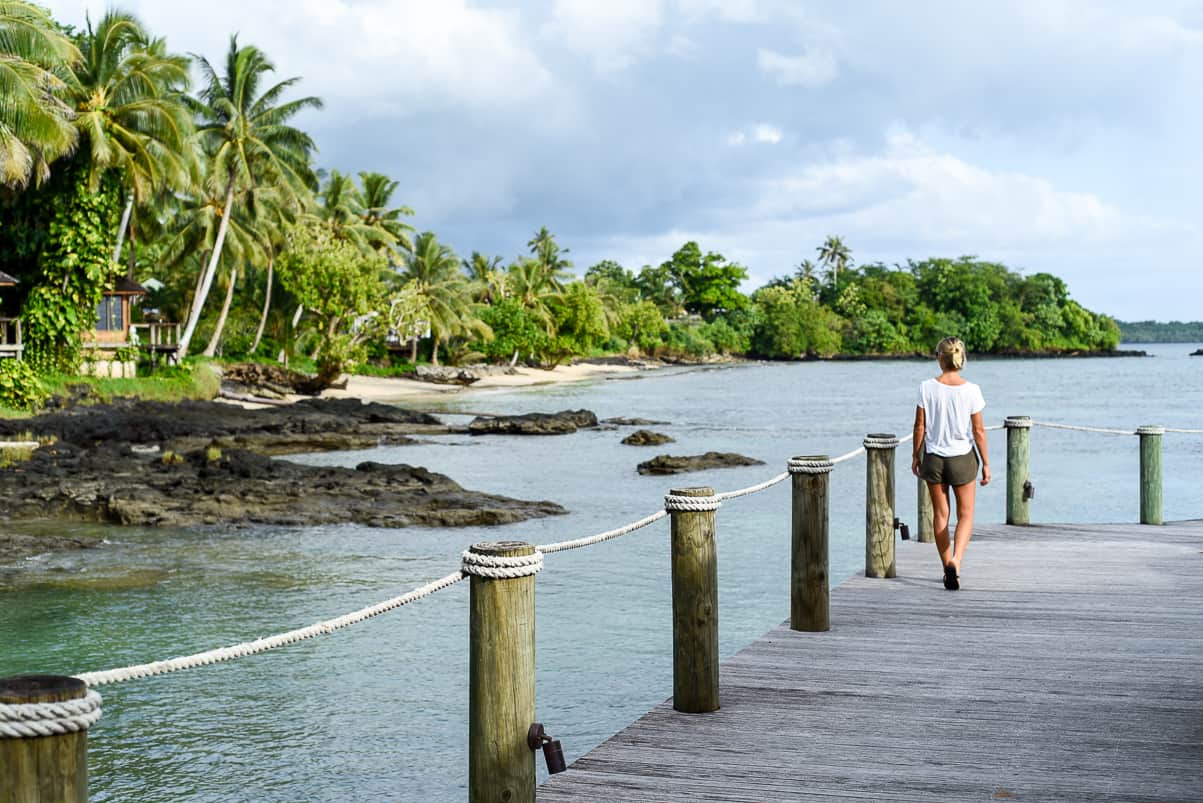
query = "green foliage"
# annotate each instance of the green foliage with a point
(171, 458)
(641, 325)
(515, 331)
(20, 387)
(72, 250)
(213, 454)
(1159, 332)
(580, 318)
(706, 284)
(792, 323)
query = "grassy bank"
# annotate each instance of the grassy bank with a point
(193, 380)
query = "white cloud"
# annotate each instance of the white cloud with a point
(361, 50)
(813, 68)
(613, 33)
(759, 133)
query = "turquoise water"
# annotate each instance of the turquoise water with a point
(379, 711)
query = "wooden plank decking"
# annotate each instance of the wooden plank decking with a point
(1068, 668)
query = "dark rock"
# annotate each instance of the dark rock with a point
(16, 546)
(1197, 353)
(561, 423)
(110, 483)
(634, 422)
(444, 375)
(645, 437)
(270, 381)
(307, 426)
(668, 464)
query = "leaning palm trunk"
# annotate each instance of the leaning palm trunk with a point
(125, 213)
(296, 318)
(267, 302)
(211, 349)
(434, 353)
(198, 303)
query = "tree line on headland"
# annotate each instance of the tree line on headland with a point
(115, 163)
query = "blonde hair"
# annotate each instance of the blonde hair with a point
(951, 353)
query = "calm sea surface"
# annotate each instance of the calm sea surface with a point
(379, 711)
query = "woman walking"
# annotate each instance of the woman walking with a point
(948, 424)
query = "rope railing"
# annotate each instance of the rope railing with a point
(37, 711)
(263, 644)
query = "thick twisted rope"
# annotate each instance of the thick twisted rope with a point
(1184, 431)
(28, 720)
(269, 643)
(1077, 428)
(691, 504)
(501, 567)
(561, 546)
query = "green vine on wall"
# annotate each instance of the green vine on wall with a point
(75, 265)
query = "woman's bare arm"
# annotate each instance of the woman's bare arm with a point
(979, 437)
(919, 431)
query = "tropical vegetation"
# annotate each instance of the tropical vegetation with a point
(122, 158)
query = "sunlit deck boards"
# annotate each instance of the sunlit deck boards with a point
(1069, 668)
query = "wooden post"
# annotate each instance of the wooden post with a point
(1150, 473)
(1019, 427)
(501, 677)
(879, 504)
(809, 586)
(43, 769)
(695, 599)
(927, 524)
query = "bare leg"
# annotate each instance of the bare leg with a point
(965, 495)
(940, 515)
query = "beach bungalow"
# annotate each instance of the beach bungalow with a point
(10, 328)
(108, 348)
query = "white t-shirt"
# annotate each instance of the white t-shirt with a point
(946, 411)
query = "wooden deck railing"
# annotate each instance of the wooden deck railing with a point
(10, 338)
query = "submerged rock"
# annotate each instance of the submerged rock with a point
(112, 484)
(634, 422)
(668, 464)
(561, 423)
(645, 437)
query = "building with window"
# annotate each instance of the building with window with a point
(107, 346)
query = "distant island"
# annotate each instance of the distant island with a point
(1161, 332)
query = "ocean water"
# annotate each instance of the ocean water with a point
(379, 711)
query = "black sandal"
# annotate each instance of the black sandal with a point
(951, 581)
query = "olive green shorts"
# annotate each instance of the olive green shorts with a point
(937, 470)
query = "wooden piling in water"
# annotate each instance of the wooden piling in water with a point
(1150, 473)
(810, 585)
(879, 504)
(501, 681)
(1019, 428)
(695, 599)
(927, 523)
(43, 769)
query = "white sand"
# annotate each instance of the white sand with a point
(380, 389)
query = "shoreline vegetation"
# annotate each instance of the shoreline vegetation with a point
(173, 191)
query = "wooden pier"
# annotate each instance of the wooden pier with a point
(1068, 668)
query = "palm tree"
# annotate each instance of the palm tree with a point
(533, 287)
(128, 96)
(252, 145)
(835, 256)
(434, 271)
(35, 122)
(485, 277)
(549, 256)
(375, 196)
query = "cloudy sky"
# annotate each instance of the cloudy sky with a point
(1053, 135)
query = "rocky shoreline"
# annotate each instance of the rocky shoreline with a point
(207, 463)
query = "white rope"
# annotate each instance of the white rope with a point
(752, 489)
(809, 465)
(561, 546)
(28, 720)
(691, 504)
(1185, 431)
(501, 567)
(268, 643)
(1076, 428)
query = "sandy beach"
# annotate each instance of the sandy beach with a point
(389, 389)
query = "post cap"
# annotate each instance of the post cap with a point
(1150, 429)
(1018, 422)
